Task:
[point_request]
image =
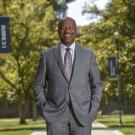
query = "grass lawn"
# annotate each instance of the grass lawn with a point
(112, 121)
(12, 127)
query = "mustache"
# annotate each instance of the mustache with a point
(68, 33)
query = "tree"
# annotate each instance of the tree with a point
(60, 6)
(117, 16)
(32, 29)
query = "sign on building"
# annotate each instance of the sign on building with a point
(112, 66)
(4, 35)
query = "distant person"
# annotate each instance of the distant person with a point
(74, 88)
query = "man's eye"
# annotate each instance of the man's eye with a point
(70, 27)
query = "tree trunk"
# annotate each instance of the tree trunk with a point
(22, 112)
(34, 111)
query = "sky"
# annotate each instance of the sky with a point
(75, 9)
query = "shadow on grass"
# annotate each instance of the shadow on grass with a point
(21, 129)
(113, 127)
(123, 126)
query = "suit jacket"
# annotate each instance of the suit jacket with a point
(84, 89)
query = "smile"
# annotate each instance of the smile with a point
(67, 35)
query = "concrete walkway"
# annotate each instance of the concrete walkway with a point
(100, 129)
(97, 129)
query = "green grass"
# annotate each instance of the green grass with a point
(12, 126)
(128, 127)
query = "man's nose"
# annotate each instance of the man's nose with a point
(67, 29)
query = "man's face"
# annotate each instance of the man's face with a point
(67, 31)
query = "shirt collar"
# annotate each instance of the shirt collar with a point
(72, 47)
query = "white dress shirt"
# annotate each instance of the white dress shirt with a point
(63, 51)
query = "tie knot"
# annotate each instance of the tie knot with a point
(67, 49)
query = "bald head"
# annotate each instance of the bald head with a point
(67, 19)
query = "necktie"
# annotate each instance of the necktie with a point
(68, 63)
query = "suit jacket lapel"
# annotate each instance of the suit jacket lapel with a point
(76, 61)
(57, 55)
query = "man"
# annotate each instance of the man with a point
(70, 74)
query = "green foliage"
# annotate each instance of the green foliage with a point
(33, 26)
(117, 16)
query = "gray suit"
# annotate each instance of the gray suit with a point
(84, 90)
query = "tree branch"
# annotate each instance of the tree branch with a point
(7, 80)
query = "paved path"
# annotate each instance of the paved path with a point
(100, 129)
(97, 129)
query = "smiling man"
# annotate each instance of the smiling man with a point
(67, 31)
(74, 89)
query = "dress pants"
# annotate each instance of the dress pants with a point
(69, 127)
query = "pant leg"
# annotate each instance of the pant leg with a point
(75, 128)
(80, 130)
(69, 127)
(58, 128)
